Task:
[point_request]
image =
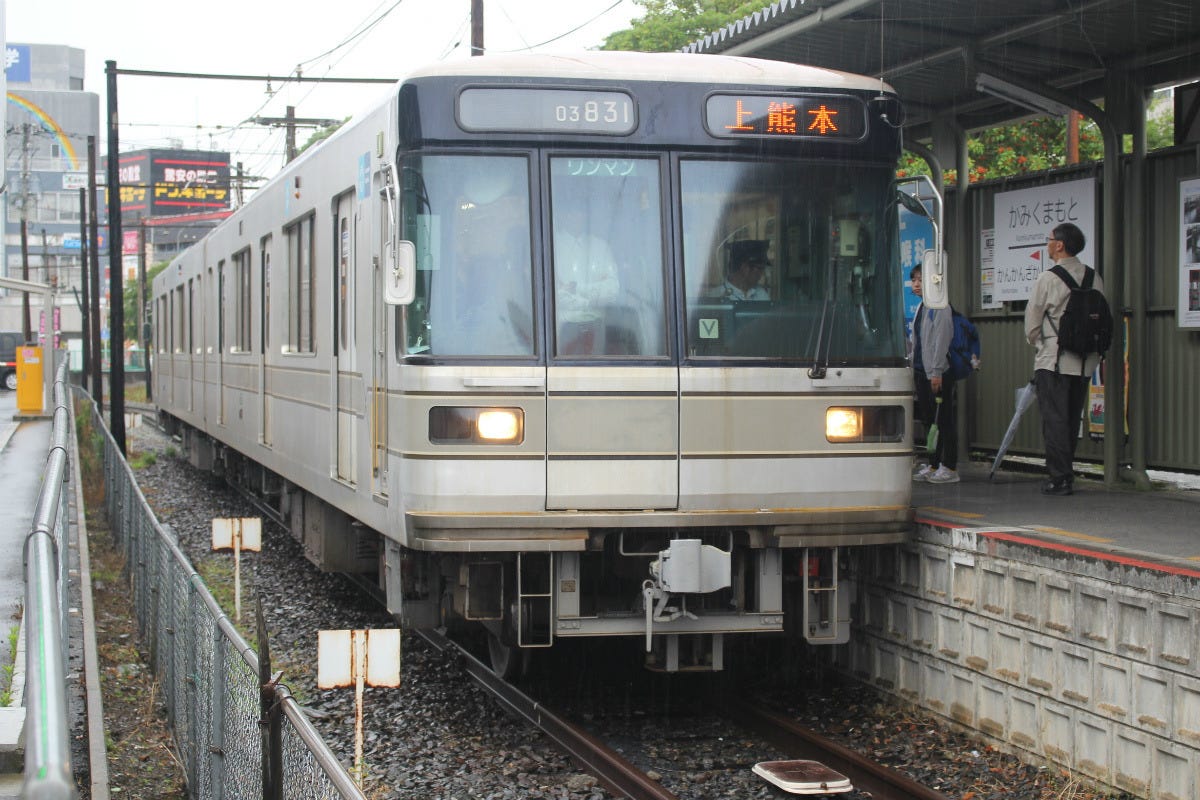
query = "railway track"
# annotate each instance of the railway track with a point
(624, 779)
(617, 774)
(881, 782)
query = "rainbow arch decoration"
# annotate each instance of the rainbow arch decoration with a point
(49, 123)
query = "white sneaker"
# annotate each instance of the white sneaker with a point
(943, 475)
(923, 473)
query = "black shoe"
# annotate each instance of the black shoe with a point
(1058, 488)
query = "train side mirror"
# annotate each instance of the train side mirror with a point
(934, 291)
(399, 283)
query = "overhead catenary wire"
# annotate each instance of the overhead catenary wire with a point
(578, 27)
(231, 135)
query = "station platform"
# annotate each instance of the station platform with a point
(1160, 527)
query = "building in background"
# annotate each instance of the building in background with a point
(48, 120)
(169, 199)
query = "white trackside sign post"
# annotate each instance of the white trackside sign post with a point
(359, 657)
(238, 534)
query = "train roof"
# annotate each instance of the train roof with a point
(683, 67)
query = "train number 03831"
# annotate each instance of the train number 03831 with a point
(592, 111)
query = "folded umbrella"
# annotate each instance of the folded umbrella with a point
(1025, 397)
(931, 439)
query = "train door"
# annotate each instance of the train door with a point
(264, 340)
(345, 366)
(612, 419)
(379, 316)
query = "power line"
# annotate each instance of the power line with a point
(353, 36)
(578, 27)
(214, 76)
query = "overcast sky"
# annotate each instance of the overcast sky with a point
(272, 37)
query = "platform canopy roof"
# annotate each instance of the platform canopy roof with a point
(933, 52)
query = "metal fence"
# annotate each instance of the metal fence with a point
(238, 735)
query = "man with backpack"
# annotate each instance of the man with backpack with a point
(1068, 321)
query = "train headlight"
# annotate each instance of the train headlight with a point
(458, 425)
(864, 424)
(843, 424)
(499, 425)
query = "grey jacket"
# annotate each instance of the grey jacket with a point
(936, 331)
(1043, 312)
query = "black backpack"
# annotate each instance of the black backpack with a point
(1086, 325)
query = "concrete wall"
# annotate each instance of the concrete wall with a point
(1088, 663)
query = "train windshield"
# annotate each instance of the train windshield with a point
(791, 260)
(794, 261)
(468, 217)
(608, 266)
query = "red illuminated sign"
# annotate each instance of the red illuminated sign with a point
(786, 116)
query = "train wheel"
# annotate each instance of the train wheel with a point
(508, 661)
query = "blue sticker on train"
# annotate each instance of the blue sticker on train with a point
(364, 176)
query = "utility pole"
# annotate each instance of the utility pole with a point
(141, 307)
(26, 329)
(47, 267)
(290, 136)
(116, 290)
(46, 329)
(289, 123)
(476, 27)
(84, 307)
(93, 336)
(26, 196)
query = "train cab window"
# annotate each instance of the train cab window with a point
(469, 218)
(607, 257)
(790, 260)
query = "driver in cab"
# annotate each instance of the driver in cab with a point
(748, 263)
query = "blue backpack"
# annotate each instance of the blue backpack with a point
(965, 348)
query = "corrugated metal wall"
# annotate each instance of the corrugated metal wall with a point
(1172, 374)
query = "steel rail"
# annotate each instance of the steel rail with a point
(617, 774)
(883, 783)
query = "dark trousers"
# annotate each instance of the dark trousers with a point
(1060, 401)
(946, 452)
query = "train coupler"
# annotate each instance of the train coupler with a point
(686, 567)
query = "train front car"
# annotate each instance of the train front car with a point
(652, 377)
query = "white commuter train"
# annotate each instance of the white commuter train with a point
(484, 348)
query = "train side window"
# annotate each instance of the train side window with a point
(222, 300)
(241, 301)
(178, 320)
(264, 264)
(300, 305)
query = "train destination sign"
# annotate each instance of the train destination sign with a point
(786, 116)
(546, 110)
